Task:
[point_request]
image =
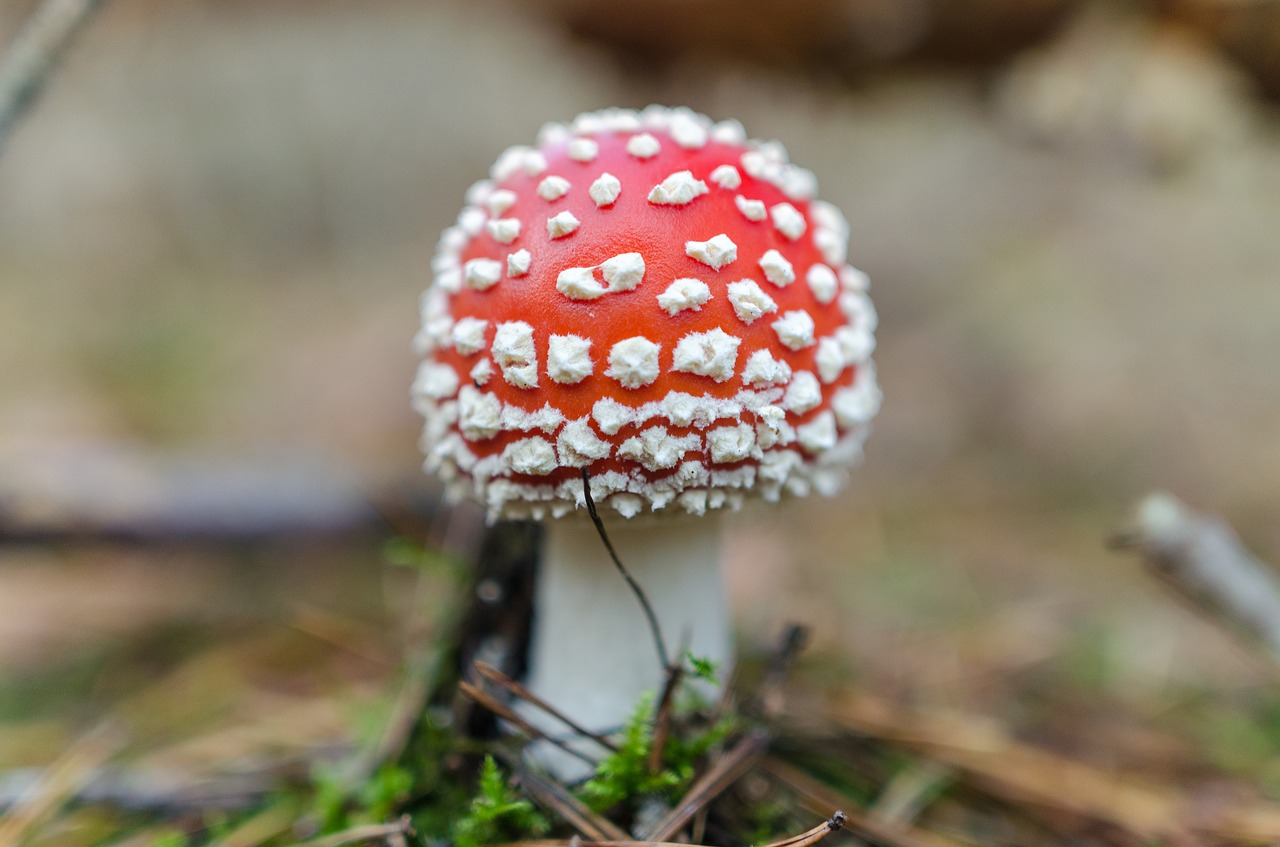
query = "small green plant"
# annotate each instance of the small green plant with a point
(624, 774)
(497, 813)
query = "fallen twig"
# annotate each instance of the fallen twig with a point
(34, 52)
(506, 713)
(554, 797)
(1203, 560)
(662, 722)
(515, 689)
(727, 769)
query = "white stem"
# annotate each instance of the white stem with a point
(592, 653)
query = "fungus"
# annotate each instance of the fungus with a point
(657, 305)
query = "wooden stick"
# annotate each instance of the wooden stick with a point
(1202, 559)
(506, 713)
(556, 798)
(506, 683)
(732, 765)
(33, 54)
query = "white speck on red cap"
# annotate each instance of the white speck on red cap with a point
(514, 352)
(777, 269)
(795, 329)
(731, 443)
(633, 362)
(561, 224)
(762, 369)
(499, 201)
(568, 359)
(684, 294)
(553, 188)
(605, 190)
(713, 353)
(504, 230)
(788, 220)
(579, 284)
(533, 456)
(518, 263)
(803, 394)
(822, 282)
(643, 146)
(468, 335)
(481, 372)
(583, 149)
(677, 189)
(481, 274)
(726, 176)
(623, 272)
(715, 252)
(752, 210)
(578, 445)
(749, 300)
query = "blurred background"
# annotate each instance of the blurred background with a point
(215, 225)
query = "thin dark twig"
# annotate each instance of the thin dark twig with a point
(506, 683)
(509, 715)
(556, 798)
(658, 642)
(662, 724)
(732, 765)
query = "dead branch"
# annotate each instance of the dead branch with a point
(34, 52)
(732, 765)
(509, 715)
(515, 689)
(1202, 559)
(555, 798)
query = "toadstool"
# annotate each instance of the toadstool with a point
(656, 300)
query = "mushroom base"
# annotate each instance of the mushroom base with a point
(592, 654)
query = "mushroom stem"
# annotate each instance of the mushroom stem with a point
(592, 654)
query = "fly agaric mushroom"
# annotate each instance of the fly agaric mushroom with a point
(655, 300)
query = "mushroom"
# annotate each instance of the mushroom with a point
(653, 303)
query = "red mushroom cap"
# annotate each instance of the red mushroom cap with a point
(656, 299)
